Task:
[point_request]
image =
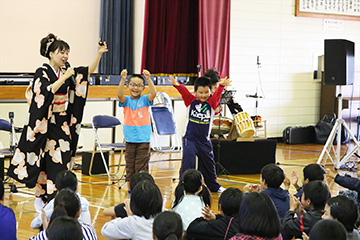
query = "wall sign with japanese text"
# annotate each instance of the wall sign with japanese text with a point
(338, 9)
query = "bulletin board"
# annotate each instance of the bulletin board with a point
(336, 9)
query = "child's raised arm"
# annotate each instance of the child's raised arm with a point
(152, 89)
(121, 87)
(173, 81)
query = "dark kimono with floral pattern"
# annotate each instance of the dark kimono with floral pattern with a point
(50, 135)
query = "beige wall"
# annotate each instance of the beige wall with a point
(23, 23)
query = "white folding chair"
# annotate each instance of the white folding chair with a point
(101, 122)
(163, 124)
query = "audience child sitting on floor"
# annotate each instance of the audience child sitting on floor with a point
(311, 172)
(218, 226)
(144, 204)
(168, 226)
(64, 179)
(271, 178)
(119, 210)
(66, 203)
(64, 227)
(191, 195)
(344, 210)
(326, 230)
(296, 221)
(7, 218)
(258, 219)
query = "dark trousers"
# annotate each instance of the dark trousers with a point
(206, 164)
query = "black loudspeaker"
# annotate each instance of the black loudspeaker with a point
(339, 62)
(98, 165)
(244, 157)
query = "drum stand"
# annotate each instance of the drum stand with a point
(329, 142)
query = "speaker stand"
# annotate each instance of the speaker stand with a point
(329, 147)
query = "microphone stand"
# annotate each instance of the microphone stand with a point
(225, 98)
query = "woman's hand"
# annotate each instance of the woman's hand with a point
(69, 72)
(225, 82)
(102, 48)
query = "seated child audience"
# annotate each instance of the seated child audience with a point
(64, 179)
(191, 195)
(66, 203)
(65, 227)
(7, 218)
(258, 219)
(144, 204)
(167, 226)
(271, 178)
(349, 182)
(327, 230)
(118, 210)
(296, 221)
(311, 172)
(344, 210)
(218, 226)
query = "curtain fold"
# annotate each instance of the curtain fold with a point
(214, 35)
(116, 29)
(170, 36)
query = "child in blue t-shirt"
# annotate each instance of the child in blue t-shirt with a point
(137, 127)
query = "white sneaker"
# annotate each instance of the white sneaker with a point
(221, 189)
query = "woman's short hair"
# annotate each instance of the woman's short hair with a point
(168, 225)
(146, 199)
(258, 216)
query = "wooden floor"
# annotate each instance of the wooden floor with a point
(163, 167)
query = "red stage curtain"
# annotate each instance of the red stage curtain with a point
(170, 36)
(214, 35)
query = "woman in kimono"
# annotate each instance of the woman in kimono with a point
(50, 135)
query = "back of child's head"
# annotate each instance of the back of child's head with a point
(66, 179)
(313, 172)
(258, 216)
(273, 175)
(146, 199)
(167, 226)
(64, 228)
(317, 192)
(66, 202)
(140, 176)
(344, 210)
(213, 74)
(327, 230)
(1, 189)
(202, 82)
(192, 181)
(136, 76)
(230, 200)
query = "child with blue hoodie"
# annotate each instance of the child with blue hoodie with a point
(271, 178)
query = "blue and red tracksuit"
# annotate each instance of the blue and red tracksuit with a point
(196, 139)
